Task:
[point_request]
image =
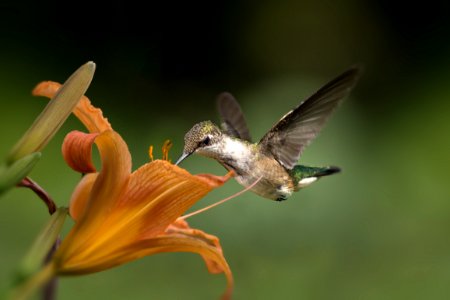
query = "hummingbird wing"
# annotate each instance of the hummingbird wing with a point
(233, 121)
(287, 138)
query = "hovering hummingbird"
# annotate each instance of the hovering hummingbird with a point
(273, 160)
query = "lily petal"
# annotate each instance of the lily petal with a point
(188, 240)
(181, 228)
(179, 237)
(80, 196)
(77, 151)
(157, 194)
(115, 171)
(160, 190)
(111, 183)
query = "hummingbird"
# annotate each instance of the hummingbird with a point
(273, 160)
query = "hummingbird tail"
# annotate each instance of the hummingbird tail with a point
(304, 175)
(327, 171)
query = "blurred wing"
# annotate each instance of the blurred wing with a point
(233, 122)
(287, 139)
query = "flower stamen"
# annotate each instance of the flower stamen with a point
(165, 149)
(150, 152)
(221, 201)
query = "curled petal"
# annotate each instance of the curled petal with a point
(114, 176)
(196, 241)
(181, 228)
(115, 169)
(107, 189)
(90, 116)
(77, 151)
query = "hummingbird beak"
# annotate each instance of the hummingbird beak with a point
(182, 157)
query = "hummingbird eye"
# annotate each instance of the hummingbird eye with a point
(206, 141)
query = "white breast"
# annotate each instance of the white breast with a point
(235, 149)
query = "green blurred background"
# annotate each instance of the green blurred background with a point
(379, 230)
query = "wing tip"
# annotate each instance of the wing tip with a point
(353, 73)
(223, 96)
(222, 101)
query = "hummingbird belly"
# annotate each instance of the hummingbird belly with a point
(267, 189)
(274, 182)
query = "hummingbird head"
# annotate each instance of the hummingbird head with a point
(202, 138)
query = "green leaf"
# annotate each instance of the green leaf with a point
(54, 114)
(42, 245)
(11, 175)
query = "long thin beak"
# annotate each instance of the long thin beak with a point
(183, 156)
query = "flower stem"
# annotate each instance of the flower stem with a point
(40, 192)
(30, 286)
(49, 290)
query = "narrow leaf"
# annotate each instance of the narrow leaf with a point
(42, 245)
(55, 113)
(11, 175)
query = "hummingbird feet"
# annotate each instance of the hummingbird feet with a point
(281, 198)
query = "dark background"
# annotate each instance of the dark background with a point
(378, 230)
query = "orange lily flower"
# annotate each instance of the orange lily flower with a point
(121, 215)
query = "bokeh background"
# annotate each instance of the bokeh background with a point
(379, 230)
